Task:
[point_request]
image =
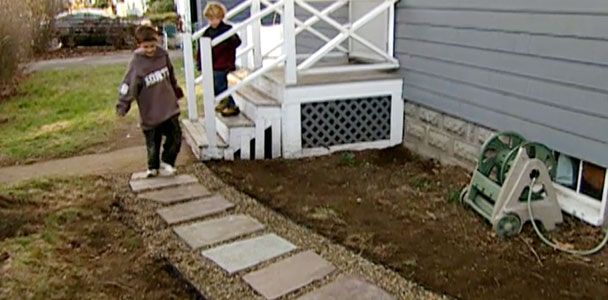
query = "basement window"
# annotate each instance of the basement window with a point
(583, 177)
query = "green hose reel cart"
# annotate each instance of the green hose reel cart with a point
(501, 184)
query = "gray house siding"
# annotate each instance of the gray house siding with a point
(536, 67)
(306, 42)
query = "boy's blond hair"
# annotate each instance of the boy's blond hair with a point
(214, 9)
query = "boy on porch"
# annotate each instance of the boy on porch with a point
(223, 55)
(150, 80)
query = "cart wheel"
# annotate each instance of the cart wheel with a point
(508, 226)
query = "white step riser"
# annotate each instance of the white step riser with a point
(253, 111)
(238, 138)
(223, 130)
(196, 150)
(249, 109)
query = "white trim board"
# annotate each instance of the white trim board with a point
(583, 207)
(339, 91)
(592, 211)
(351, 147)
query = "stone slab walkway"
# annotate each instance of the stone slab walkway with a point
(251, 255)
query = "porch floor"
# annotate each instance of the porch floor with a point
(278, 75)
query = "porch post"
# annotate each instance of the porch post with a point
(391, 31)
(189, 64)
(199, 14)
(289, 42)
(208, 92)
(256, 27)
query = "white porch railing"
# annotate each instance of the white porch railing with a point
(262, 63)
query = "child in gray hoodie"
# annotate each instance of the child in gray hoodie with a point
(150, 80)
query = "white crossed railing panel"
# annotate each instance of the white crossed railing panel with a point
(346, 31)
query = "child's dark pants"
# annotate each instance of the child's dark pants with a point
(220, 84)
(172, 132)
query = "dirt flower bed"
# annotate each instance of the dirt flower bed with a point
(403, 212)
(66, 239)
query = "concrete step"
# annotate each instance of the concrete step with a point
(195, 209)
(155, 183)
(348, 287)
(210, 232)
(289, 275)
(176, 194)
(241, 255)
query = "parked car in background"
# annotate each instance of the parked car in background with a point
(91, 27)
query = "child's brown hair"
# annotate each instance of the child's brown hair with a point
(214, 9)
(146, 33)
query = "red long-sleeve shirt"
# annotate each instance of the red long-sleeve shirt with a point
(223, 54)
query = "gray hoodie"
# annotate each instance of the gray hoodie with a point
(150, 80)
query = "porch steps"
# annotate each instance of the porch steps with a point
(252, 100)
(196, 137)
(237, 131)
(253, 134)
(265, 112)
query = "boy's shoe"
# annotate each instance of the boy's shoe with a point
(152, 173)
(169, 169)
(230, 111)
(222, 105)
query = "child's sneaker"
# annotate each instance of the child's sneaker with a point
(231, 111)
(222, 105)
(152, 173)
(169, 169)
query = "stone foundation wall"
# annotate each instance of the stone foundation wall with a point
(448, 139)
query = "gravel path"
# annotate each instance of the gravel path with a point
(216, 284)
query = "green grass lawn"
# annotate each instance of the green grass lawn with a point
(64, 113)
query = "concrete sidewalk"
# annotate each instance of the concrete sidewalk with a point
(123, 160)
(92, 60)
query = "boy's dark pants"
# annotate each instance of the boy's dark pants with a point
(220, 84)
(173, 141)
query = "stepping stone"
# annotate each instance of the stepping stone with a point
(289, 274)
(214, 231)
(241, 255)
(140, 185)
(176, 194)
(350, 288)
(142, 175)
(194, 209)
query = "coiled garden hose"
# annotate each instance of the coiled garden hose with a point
(596, 249)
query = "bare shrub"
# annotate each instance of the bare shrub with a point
(25, 28)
